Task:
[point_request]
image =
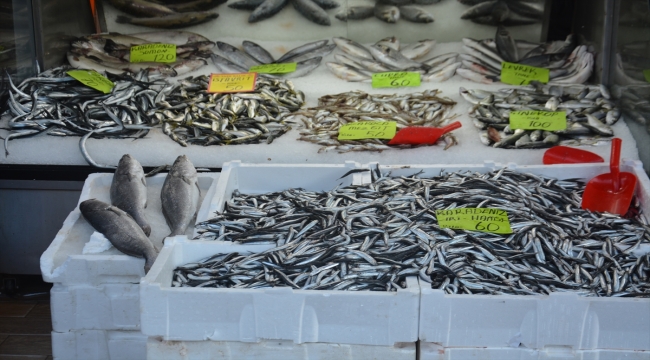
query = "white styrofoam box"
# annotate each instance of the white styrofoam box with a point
(262, 178)
(252, 315)
(430, 351)
(103, 307)
(559, 320)
(63, 261)
(99, 345)
(272, 350)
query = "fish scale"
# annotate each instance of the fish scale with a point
(341, 252)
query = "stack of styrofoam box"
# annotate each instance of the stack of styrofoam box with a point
(277, 323)
(560, 326)
(95, 300)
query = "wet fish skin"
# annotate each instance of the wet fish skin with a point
(356, 13)
(142, 8)
(302, 49)
(237, 56)
(245, 4)
(257, 52)
(326, 4)
(353, 48)
(267, 9)
(129, 191)
(506, 45)
(120, 229)
(312, 11)
(180, 195)
(415, 14)
(387, 13)
(172, 21)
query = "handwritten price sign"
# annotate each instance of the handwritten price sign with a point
(368, 130)
(395, 79)
(274, 68)
(515, 74)
(475, 219)
(538, 120)
(92, 79)
(163, 53)
(230, 83)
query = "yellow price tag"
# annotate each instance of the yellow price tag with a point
(274, 68)
(395, 79)
(230, 83)
(646, 75)
(92, 79)
(475, 219)
(163, 53)
(515, 74)
(538, 120)
(368, 130)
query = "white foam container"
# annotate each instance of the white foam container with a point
(430, 351)
(561, 320)
(273, 350)
(63, 262)
(99, 345)
(263, 178)
(103, 307)
(253, 315)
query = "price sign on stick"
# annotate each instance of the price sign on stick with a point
(368, 130)
(515, 74)
(283, 68)
(395, 79)
(475, 219)
(230, 83)
(92, 79)
(538, 120)
(162, 53)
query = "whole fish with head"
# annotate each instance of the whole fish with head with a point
(129, 191)
(180, 196)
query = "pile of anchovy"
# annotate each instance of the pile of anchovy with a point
(506, 12)
(192, 115)
(307, 57)
(390, 11)
(322, 123)
(59, 105)
(358, 63)
(370, 237)
(567, 62)
(589, 109)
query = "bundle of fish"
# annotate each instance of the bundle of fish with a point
(506, 12)
(307, 58)
(59, 105)
(589, 111)
(370, 237)
(312, 10)
(390, 11)
(358, 63)
(322, 123)
(124, 222)
(191, 115)
(567, 62)
(167, 14)
(111, 52)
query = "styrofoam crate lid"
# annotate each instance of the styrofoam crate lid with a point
(250, 315)
(64, 261)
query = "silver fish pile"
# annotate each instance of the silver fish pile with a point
(390, 11)
(312, 10)
(589, 108)
(369, 237)
(165, 13)
(307, 58)
(568, 63)
(321, 124)
(191, 115)
(358, 63)
(505, 12)
(59, 105)
(111, 52)
(120, 229)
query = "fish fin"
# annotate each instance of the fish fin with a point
(186, 179)
(144, 182)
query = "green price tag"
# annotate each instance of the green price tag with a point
(538, 120)
(274, 68)
(163, 53)
(93, 79)
(646, 75)
(395, 79)
(515, 74)
(368, 130)
(475, 219)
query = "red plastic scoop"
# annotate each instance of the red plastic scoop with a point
(422, 135)
(567, 155)
(611, 192)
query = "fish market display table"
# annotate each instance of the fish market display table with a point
(157, 148)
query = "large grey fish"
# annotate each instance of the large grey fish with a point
(387, 13)
(353, 48)
(237, 56)
(129, 191)
(415, 14)
(246, 4)
(226, 65)
(326, 4)
(311, 11)
(120, 229)
(180, 195)
(356, 13)
(320, 52)
(302, 49)
(305, 67)
(257, 52)
(267, 9)
(173, 21)
(506, 45)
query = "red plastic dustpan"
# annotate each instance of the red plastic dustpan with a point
(568, 155)
(422, 135)
(611, 192)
